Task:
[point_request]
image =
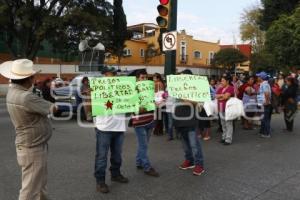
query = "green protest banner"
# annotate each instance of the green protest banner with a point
(113, 95)
(189, 87)
(145, 91)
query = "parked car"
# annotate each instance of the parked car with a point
(68, 98)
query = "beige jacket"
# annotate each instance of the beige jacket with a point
(29, 115)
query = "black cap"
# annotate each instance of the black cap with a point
(109, 69)
(187, 71)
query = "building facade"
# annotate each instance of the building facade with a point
(142, 51)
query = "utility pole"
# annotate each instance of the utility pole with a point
(167, 22)
(170, 57)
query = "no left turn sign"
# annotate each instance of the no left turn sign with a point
(170, 41)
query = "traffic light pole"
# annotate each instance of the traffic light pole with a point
(170, 57)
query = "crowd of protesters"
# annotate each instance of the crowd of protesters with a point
(260, 96)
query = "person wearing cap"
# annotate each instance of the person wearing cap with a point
(264, 101)
(29, 115)
(110, 132)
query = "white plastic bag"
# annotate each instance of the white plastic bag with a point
(211, 107)
(234, 109)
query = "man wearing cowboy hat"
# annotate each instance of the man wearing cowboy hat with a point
(29, 115)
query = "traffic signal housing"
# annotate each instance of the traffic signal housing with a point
(163, 19)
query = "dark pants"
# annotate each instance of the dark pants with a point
(289, 115)
(168, 122)
(106, 141)
(266, 120)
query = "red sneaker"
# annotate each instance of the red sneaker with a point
(198, 170)
(186, 165)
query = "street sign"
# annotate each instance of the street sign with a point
(170, 41)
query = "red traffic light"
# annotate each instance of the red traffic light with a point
(162, 10)
(164, 2)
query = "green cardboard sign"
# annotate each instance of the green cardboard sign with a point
(145, 91)
(113, 95)
(189, 87)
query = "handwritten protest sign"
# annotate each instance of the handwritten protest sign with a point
(113, 95)
(189, 87)
(145, 91)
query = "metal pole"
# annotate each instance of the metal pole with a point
(170, 58)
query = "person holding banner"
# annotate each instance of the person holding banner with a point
(186, 124)
(110, 135)
(143, 124)
(224, 93)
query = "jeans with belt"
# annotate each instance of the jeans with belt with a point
(105, 141)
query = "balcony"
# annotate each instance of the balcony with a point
(183, 59)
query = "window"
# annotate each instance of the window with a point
(197, 55)
(126, 52)
(142, 53)
(211, 56)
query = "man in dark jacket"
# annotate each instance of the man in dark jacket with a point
(186, 124)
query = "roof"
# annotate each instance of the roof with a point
(246, 49)
(139, 27)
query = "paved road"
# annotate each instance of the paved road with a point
(252, 168)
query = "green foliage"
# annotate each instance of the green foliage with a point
(151, 52)
(283, 40)
(261, 61)
(119, 33)
(228, 58)
(63, 23)
(273, 9)
(250, 29)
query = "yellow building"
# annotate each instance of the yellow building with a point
(191, 53)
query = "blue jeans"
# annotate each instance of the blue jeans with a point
(168, 121)
(105, 141)
(191, 146)
(266, 120)
(143, 134)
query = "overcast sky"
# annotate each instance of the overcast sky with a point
(209, 20)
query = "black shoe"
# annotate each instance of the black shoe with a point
(152, 172)
(139, 167)
(103, 188)
(222, 141)
(119, 179)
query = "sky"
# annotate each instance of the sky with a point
(209, 20)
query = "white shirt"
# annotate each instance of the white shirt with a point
(113, 123)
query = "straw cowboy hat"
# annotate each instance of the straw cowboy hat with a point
(18, 69)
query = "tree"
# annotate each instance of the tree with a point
(150, 53)
(63, 23)
(250, 29)
(228, 58)
(262, 61)
(283, 40)
(120, 33)
(273, 9)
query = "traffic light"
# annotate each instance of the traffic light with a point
(163, 19)
(163, 10)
